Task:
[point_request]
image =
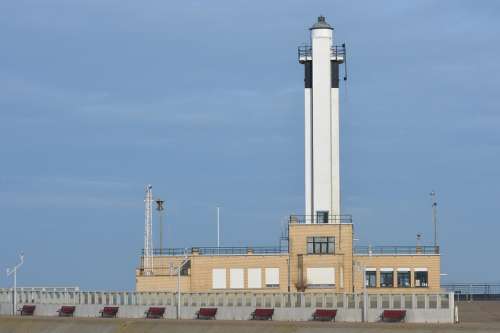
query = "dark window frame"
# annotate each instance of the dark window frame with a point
(402, 277)
(371, 276)
(322, 216)
(421, 284)
(383, 279)
(321, 245)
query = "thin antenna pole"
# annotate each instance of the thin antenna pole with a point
(148, 230)
(434, 217)
(218, 228)
(13, 271)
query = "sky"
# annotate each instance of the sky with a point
(204, 100)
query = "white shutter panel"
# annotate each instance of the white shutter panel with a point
(219, 278)
(254, 278)
(272, 277)
(236, 279)
(324, 276)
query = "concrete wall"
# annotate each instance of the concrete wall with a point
(238, 306)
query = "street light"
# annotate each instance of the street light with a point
(13, 271)
(361, 267)
(186, 260)
(434, 218)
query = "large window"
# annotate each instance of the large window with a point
(320, 245)
(403, 278)
(421, 277)
(371, 278)
(386, 278)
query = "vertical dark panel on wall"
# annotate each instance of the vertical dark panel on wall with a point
(335, 74)
(308, 74)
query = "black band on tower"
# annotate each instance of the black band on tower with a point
(308, 74)
(335, 74)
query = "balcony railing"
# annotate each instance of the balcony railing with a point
(395, 250)
(474, 291)
(337, 52)
(212, 251)
(320, 219)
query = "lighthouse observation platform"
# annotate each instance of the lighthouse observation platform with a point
(337, 53)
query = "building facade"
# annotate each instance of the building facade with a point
(319, 255)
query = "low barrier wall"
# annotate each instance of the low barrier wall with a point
(429, 308)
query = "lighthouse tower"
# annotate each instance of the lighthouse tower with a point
(321, 60)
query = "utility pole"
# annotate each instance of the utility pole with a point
(160, 207)
(434, 218)
(362, 268)
(186, 260)
(148, 231)
(13, 271)
(218, 229)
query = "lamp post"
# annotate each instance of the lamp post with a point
(218, 230)
(160, 207)
(434, 218)
(362, 268)
(13, 271)
(186, 260)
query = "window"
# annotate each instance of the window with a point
(421, 277)
(236, 278)
(320, 245)
(322, 216)
(272, 277)
(254, 278)
(404, 278)
(321, 277)
(219, 278)
(371, 278)
(386, 277)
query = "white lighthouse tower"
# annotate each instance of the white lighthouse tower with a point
(321, 60)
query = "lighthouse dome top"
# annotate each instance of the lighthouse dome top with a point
(321, 24)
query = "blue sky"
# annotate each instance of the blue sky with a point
(204, 100)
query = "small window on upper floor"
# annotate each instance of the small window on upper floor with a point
(421, 278)
(403, 278)
(386, 278)
(371, 279)
(322, 216)
(320, 245)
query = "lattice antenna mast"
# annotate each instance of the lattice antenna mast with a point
(148, 231)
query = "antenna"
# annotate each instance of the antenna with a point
(160, 207)
(13, 271)
(434, 217)
(218, 229)
(148, 231)
(345, 62)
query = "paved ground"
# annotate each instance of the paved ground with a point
(479, 311)
(98, 325)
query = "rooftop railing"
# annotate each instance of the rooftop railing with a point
(474, 291)
(210, 251)
(320, 219)
(395, 250)
(337, 52)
